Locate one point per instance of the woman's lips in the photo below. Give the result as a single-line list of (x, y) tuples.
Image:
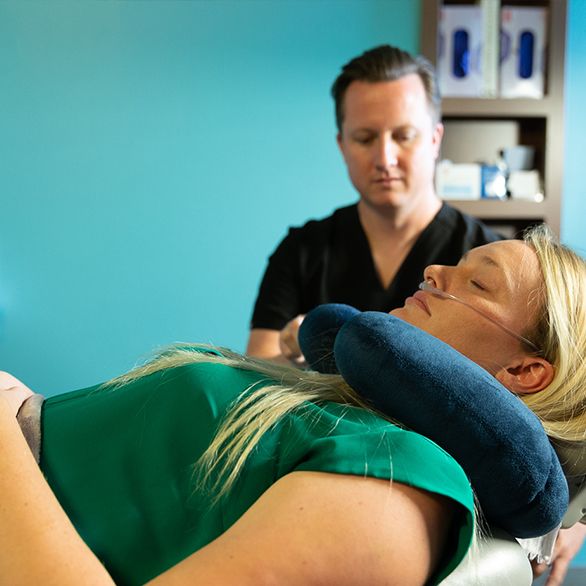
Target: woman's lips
[(418, 299)]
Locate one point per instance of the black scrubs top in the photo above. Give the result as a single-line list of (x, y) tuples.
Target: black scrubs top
[(329, 261)]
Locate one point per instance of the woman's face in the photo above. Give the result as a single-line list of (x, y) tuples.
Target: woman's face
[(501, 279)]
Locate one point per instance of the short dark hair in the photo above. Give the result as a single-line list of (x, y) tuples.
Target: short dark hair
[(386, 63)]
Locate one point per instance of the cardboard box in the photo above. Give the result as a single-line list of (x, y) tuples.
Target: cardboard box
[(460, 51), (523, 48)]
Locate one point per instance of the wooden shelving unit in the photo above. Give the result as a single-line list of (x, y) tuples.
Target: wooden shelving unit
[(541, 121)]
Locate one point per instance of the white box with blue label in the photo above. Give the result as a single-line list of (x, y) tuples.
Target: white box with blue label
[(523, 49), (460, 51), (458, 181), (469, 181)]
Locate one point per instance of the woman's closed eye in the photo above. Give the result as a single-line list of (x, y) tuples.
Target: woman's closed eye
[(477, 285)]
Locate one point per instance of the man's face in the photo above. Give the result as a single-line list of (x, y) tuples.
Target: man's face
[(389, 141)]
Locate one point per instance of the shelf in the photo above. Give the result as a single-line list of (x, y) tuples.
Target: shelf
[(496, 108), (540, 122), (502, 210)]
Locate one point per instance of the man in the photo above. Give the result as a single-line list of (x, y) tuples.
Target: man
[(370, 255)]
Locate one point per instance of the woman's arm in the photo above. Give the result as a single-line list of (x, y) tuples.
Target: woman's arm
[(319, 528), (15, 391), (38, 543)]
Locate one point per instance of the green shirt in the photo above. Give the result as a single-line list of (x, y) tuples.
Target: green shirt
[(121, 462)]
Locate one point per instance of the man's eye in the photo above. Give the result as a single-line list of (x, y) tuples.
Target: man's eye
[(477, 285), (364, 139), (406, 136)]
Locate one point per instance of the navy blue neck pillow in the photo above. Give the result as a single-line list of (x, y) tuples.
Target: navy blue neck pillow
[(434, 390)]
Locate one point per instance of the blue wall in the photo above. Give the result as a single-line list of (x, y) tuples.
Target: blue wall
[(574, 196), (153, 153), (151, 156)]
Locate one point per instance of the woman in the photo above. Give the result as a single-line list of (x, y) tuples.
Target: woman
[(327, 522)]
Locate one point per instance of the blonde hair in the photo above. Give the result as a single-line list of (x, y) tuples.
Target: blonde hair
[(257, 410), (560, 332)]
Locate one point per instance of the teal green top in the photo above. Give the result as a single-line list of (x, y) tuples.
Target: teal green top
[(121, 463)]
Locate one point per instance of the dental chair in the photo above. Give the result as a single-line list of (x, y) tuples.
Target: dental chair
[(500, 560), (526, 486)]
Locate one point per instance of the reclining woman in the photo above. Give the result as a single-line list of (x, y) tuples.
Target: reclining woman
[(291, 484)]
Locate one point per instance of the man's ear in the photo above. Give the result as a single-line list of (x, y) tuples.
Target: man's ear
[(438, 133), (529, 374), (339, 141)]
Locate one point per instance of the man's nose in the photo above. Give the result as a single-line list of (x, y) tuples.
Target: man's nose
[(387, 154)]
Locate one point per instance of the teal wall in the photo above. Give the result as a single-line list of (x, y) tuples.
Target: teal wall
[(574, 195), (152, 154)]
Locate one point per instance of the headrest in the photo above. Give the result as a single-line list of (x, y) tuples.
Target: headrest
[(434, 390)]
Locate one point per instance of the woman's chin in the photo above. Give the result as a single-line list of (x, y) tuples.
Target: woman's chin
[(407, 314)]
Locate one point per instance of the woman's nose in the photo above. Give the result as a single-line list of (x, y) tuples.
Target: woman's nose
[(435, 275)]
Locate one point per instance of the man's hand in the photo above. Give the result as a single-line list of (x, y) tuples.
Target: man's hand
[(568, 544), (288, 342), (281, 346), (14, 392)]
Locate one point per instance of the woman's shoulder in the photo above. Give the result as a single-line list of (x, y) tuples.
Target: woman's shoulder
[(341, 439), (314, 528)]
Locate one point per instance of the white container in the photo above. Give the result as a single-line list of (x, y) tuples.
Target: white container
[(460, 51), (458, 181), (523, 33), (525, 185)]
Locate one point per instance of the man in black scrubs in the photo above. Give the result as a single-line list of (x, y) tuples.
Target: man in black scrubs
[(372, 254)]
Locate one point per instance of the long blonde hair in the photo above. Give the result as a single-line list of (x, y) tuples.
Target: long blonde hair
[(560, 332), (284, 389)]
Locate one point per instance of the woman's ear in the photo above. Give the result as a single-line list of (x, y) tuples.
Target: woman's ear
[(529, 374)]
